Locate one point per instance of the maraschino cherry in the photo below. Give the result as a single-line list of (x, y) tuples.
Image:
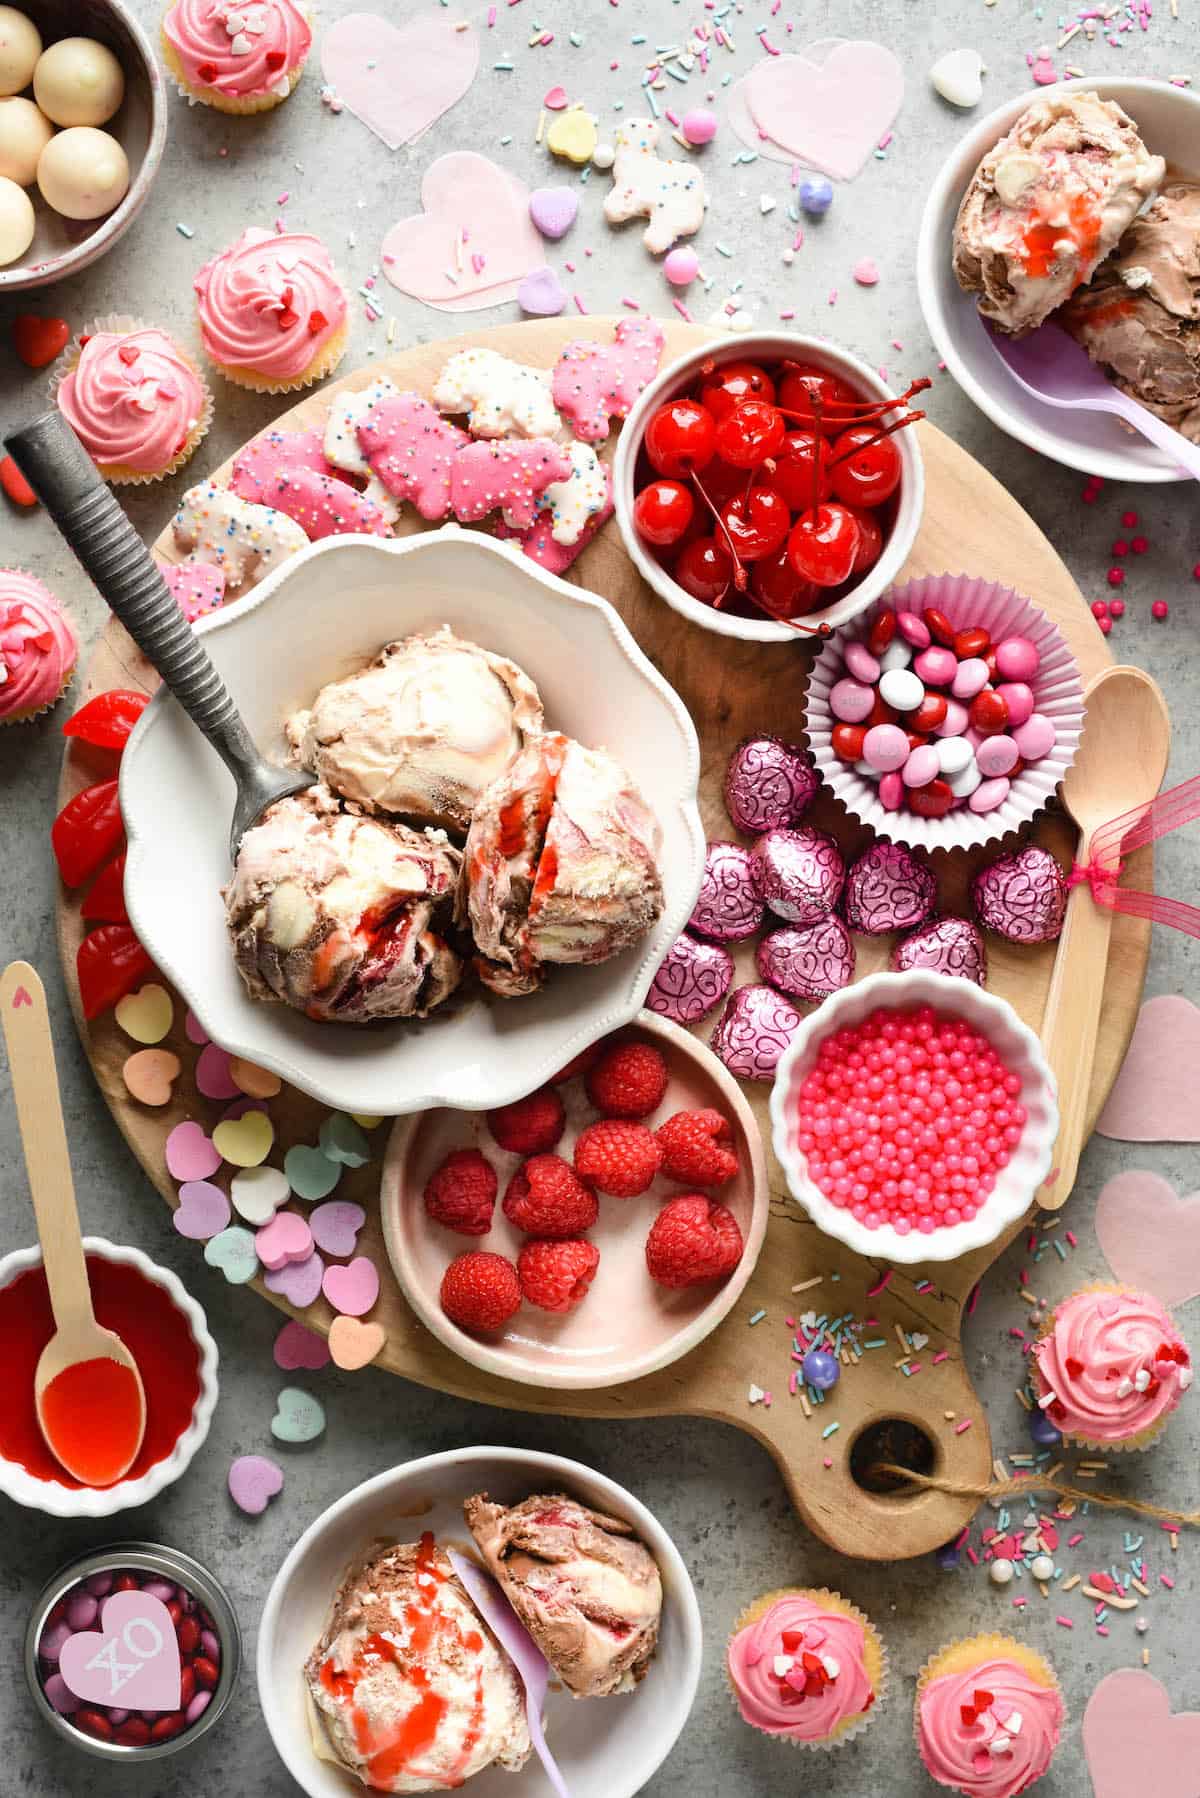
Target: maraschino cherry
[(663, 511), (681, 437)]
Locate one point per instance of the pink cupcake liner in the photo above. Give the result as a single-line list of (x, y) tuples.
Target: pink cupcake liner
[(966, 600)]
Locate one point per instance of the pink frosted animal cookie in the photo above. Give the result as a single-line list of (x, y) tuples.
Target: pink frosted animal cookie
[(320, 504), (197, 587), (412, 449), (594, 382), (272, 450), (511, 474)]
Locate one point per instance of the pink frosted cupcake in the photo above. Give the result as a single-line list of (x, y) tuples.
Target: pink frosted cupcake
[(272, 311), (1110, 1367), (133, 399), (988, 1717), (236, 57), (806, 1666), (38, 647)]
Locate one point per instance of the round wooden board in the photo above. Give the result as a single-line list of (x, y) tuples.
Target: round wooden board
[(732, 689)]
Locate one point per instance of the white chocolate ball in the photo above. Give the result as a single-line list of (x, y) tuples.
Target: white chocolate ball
[(16, 221), (20, 47), (78, 82), (1042, 1567), (1001, 1571), (24, 134), (83, 173)]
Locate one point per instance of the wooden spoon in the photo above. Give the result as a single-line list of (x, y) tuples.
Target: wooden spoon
[(1121, 763), (78, 1338)]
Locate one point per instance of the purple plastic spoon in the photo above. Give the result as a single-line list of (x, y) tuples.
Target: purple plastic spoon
[(1052, 367), (524, 1652)]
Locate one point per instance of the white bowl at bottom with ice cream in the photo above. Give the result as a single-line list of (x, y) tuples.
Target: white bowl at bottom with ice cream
[(413, 1692)]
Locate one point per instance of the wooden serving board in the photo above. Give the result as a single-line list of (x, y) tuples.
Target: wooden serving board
[(733, 689)]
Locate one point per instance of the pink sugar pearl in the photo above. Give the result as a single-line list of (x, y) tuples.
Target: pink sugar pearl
[(906, 1119)]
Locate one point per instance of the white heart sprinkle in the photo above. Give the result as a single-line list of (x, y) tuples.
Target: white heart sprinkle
[(957, 77), (919, 1340), (240, 45)]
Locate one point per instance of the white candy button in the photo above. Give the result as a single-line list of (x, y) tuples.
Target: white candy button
[(899, 687), (954, 754), (898, 654), (964, 784)]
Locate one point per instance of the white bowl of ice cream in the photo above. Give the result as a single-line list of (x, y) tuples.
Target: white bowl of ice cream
[(1168, 119), (607, 1746), (322, 617)]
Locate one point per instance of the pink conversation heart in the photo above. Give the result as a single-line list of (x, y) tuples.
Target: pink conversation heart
[(471, 243), (1154, 1097), (553, 210), (190, 1154), (203, 1211), (1149, 1236), (212, 1073), (253, 1483), (595, 381), (829, 115), (412, 448), (297, 1346), (353, 1289), (335, 1226), (1135, 1743), (399, 79), (196, 1033), (286, 1240), (298, 1282), (132, 1660), (541, 294), (509, 473)]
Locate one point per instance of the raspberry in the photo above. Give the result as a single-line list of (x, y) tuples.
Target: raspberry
[(529, 1126), (480, 1291), (628, 1081), (546, 1197), (619, 1158), (555, 1276), (461, 1193), (692, 1239), (695, 1148), (579, 1064)]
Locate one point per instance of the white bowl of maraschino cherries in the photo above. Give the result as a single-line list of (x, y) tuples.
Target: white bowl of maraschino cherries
[(767, 488)]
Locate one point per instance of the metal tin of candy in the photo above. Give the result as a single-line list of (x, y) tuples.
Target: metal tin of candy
[(755, 1028), (808, 961), (174, 1567), (887, 889), (947, 945), (692, 978), (730, 905), (1022, 896), (799, 872), (769, 783)]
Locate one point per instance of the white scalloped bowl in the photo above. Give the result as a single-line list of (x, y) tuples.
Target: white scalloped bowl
[(320, 616), (1013, 1192), (90, 1501)]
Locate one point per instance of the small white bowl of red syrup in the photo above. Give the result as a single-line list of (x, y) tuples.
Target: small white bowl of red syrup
[(165, 1331), (969, 1104), (781, 436)]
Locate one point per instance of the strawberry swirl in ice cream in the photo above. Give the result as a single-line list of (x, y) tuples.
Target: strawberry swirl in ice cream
[(269, 304), (239, 50), (132, 399), (990, 1730), (1111, 1366), (37, 647), (799, 1669)]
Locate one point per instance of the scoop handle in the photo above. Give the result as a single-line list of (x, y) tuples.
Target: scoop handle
[(65, 479)]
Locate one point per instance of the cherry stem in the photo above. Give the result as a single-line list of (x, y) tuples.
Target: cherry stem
[(740, 578), (818, 447), (897, 424)]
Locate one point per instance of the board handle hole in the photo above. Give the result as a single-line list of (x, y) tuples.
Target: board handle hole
[(897, 1441)]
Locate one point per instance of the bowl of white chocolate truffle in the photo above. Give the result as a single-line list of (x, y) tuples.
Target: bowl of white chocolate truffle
[(83, 121)]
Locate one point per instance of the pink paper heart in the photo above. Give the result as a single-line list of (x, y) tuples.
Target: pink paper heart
[(464, 193), (399, 79), (190, 1154), (1134, 1743), (202, 1212), (286, 1240), (829, 115), (352, 1290), (298, 1346), (132, 1660), (298, 1282), (1149, 1236), (335, 1226), (212, 1073), (253, 1483), (1154, 1097)]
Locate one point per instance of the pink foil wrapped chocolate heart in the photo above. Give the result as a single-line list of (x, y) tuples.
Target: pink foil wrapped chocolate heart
[(755, 1028), (730, 906), (809, 961), (692, 977), (799, 872), (768, 784), (887, 888), (947, 945), (1022, 897)]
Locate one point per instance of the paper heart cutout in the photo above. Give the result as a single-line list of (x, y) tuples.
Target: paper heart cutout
[(38, 341), (253, 1483), (233, 1251), (202, 1212), (829, 115), (299, 1282), (573, 135), (298, 1346), (1154, 1096), (213, 1077), (399, 79), (352, 1290), (132, 1659), (554, 210), (285, 1240), (245, 1141), (1149, 1236), (958, 77), (342, 1140), (190, 1155), (335, 1226), (353, 1344), (299, 1417), (146, 1015), (464, 193), (258, 1192), (541, 294), (1134, 1742), (149, 1075), (311, 1175), (255, 1082)]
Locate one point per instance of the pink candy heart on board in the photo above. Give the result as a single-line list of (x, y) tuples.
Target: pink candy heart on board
[(212, 1073), (353, 1289), (1154, 1096), (253, 1483), (132, 1660), (829, 115), (399, 79), (541, 294), (285, 1240), (190, 1154), (298, 1282), (475, 224), (1134, 1742), (297, 1346), (1149, 1236), (335, 1226), (203, 1211)]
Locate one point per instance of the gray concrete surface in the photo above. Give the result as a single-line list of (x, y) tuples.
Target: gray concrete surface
[(717, 1492)]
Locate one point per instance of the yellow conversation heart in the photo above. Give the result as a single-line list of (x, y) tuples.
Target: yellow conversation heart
[(244, 1141), (146, 1015), (573, 135)]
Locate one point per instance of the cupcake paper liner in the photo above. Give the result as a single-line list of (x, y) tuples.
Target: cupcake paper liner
[(31, 712), (239, 105), (834, 1602), (1058, 691), (1144, 1439), (322, 365), (119, 474), (972, 1650)]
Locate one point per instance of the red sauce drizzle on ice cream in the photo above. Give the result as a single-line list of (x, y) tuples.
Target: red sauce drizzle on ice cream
[(1082, 227)]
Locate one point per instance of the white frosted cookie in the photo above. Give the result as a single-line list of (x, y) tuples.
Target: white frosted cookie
[(669, 195), (574, 502), (346, 413), (244, 540), (500, 397)]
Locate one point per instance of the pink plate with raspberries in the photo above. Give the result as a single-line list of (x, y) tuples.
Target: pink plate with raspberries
[(627, 1323)]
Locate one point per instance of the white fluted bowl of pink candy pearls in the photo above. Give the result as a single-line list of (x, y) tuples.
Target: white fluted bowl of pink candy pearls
[(947, 716), (914, 1116)]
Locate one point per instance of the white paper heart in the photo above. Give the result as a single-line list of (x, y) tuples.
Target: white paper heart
[(132, 1660), (472, 208), (399, 79), (828, 114)]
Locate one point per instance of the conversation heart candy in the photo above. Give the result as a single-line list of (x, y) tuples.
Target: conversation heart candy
[(572, 135), (233, 1251), (244, 1141), (335, 1226), (353, 1344), (553, 210), (212, 1073), (297, 1346), (255, 1082), (285, 1240), (299, 1417), (541, 294), (253, 1483), (352, 1290), (190, 1155), (146, 1015), (311, 1174), (258, 1192), (298, 1282), (150, 1074), (202, 1212), (341, 1139)]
